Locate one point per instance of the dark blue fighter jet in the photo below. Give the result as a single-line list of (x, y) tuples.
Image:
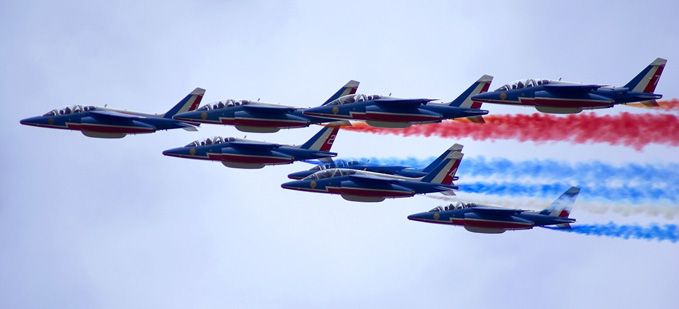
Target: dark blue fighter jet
[(241, 153), (558, 97), (109, 123), (363, 186), (389, 112), (399, 170), (251, 116), (488, 219)]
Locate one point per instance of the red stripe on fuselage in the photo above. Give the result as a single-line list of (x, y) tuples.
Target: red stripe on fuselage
[(398, 117), (108, 128), (483, 223), (369, 192), (565, 103), (248, 158)]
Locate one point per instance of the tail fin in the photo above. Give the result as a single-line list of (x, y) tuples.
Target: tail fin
[(435, 163), (445, 172), (479, 86), (187, 104), (648, 78), (323, 140), (562, 206), (349, 88)]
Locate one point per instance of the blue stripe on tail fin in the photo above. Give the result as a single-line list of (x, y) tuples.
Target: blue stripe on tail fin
[(187, 104), (648, 78), (349, 88)]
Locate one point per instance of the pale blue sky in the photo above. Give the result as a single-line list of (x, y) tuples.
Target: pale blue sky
[(91, 223)]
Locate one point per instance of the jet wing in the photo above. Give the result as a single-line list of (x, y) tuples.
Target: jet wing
[(387, 102), (268, 108), (372, 179), (484, 210), (253, 145), (112, 115), (570, 88)]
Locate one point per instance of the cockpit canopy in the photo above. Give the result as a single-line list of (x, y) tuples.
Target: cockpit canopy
[(352, 98), (333, 172), (524, 84), (223, 104), (452, 206), (336, 164), (69, 110), (211, 141)]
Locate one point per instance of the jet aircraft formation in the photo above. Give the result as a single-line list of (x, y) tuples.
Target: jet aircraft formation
[(357, 181)]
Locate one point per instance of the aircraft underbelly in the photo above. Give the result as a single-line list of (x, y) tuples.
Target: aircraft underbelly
[(474, 221), (249, 121), (566, 103), (388, 124), (359, 198), (370, 192), (233, 158), (109, 129)]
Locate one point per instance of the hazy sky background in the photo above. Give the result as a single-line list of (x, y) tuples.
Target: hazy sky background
[(94, 223)]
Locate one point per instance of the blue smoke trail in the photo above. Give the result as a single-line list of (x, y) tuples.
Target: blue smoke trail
[(592, 171), (626, 231), (631, 194)]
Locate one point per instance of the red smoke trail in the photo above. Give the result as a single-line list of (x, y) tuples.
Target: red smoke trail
[(632, 130)]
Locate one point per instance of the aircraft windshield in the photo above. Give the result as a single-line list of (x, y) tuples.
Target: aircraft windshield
[(524, 84), (223, 104), (453, 206), (328, 173), (211, 141), (69, 110), (352, 98)]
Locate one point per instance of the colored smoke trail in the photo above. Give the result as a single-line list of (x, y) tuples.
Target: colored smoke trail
[(626, 231), (592, 171), (632, 130), (633, 194)]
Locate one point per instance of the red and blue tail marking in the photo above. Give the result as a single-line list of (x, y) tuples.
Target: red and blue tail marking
[(647, 79), (187, 104)]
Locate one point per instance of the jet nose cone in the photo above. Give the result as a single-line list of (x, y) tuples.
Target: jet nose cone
[(294, 185), (298, 175), (416, 217), (175, 152), (33, 121)]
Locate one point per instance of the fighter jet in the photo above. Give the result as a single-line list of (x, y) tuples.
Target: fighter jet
[(251, 116), (363, 186), (494, 220), (109, 123), (399, 170), (389, 112), (558, 97), (241, 153)]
